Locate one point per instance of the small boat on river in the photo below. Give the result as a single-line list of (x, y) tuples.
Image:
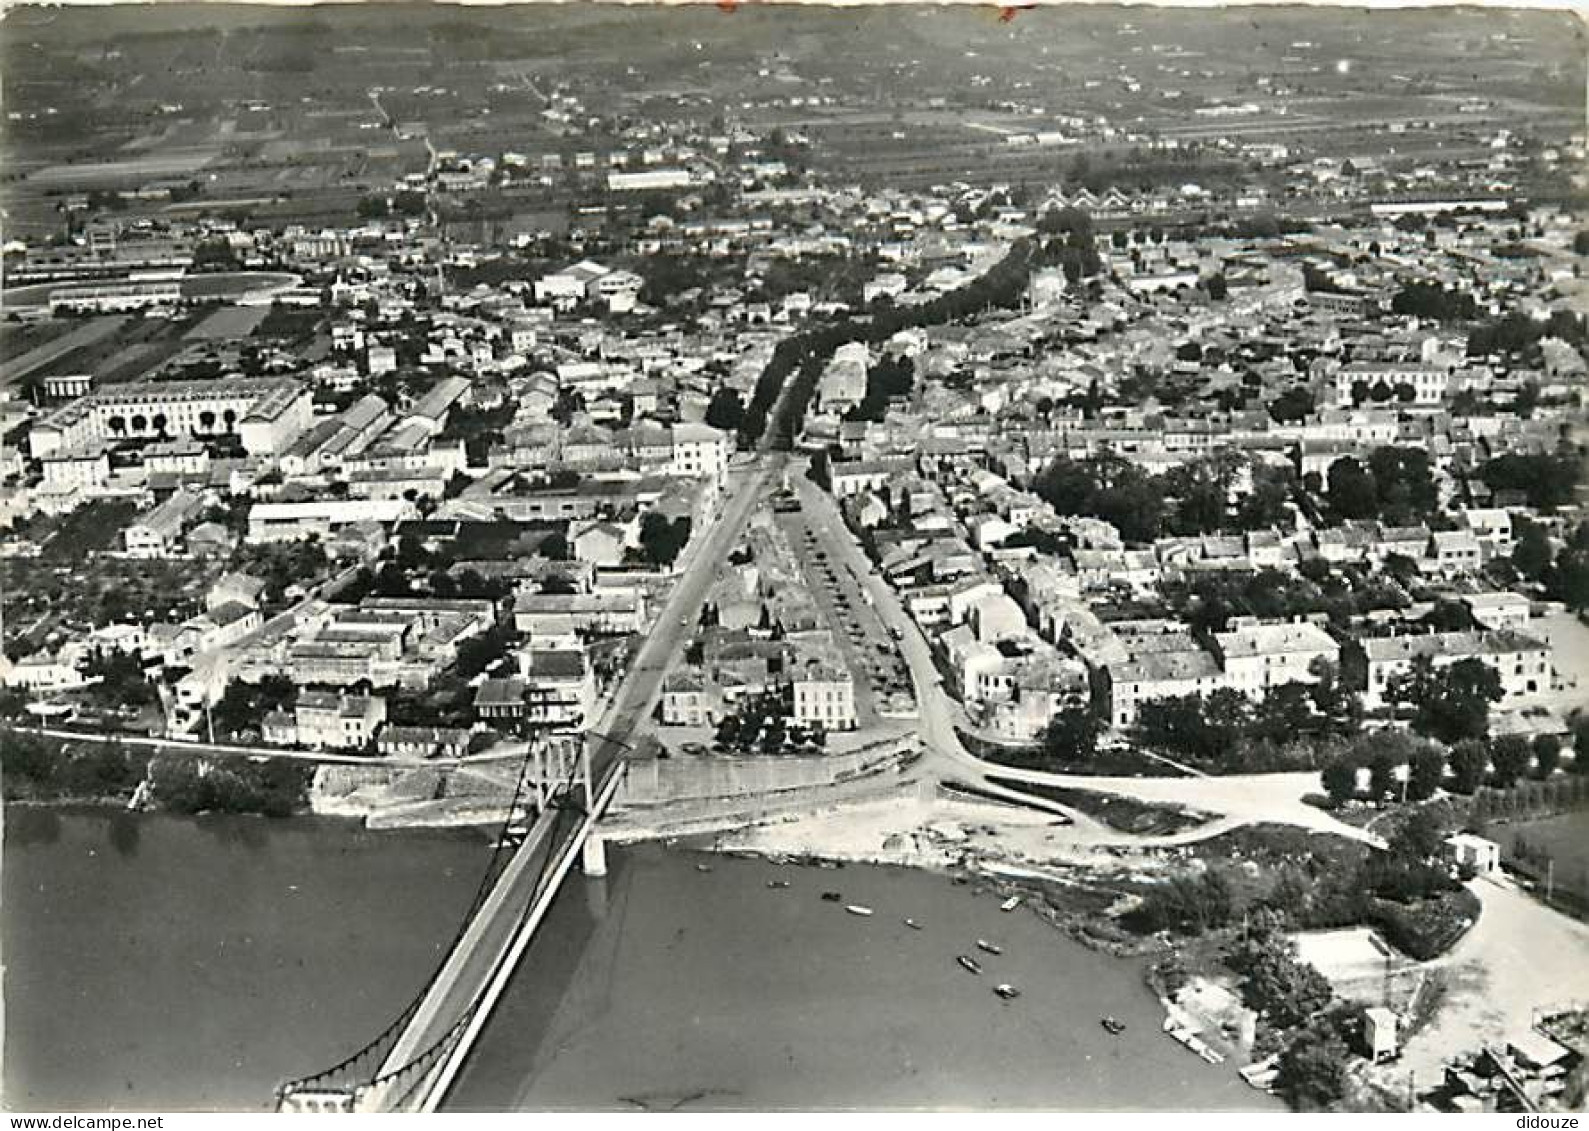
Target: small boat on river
[(989, 948), (857, 909), (777, 883), (912, 924), (832, 896), (1114, 1027), (969, 963), (1006, 991), (1010, 904)]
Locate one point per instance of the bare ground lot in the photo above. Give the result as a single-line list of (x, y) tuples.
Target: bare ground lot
[(61, 347), (229, 322)]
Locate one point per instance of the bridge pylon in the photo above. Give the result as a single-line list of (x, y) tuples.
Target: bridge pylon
[(593, 855)]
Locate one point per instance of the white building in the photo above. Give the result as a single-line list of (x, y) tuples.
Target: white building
[(1522, 662), (264, 413), (1264, 656), (823, 695), (158, 534), (288, 522), (1427, 382), (700, 452)]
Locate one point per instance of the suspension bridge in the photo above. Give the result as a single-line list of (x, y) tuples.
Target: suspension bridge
[(560, 793), (562, 786)]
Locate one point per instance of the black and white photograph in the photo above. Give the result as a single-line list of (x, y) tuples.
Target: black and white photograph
[(753, 557)]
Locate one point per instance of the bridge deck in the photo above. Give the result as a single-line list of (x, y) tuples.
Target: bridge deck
[(494, 937)]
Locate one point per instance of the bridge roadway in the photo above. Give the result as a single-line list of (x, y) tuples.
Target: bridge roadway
[(520, 895)]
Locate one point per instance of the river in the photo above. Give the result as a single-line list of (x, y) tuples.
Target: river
[(160, 962), (664, 987), (155, 961)]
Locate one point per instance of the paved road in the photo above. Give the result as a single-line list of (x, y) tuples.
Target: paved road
[(489, 939), (1235, 799), (1519, 956)]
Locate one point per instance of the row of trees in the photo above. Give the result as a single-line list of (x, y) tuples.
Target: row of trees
[(406, 202), (1414, 769), (1066, 241), (1190, 499), (37, 768), (1228, 732), (662, 538)]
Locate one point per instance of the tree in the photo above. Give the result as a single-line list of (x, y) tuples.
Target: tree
[(1449, 616), (1340, 780), (1350, 490), (1510, 755), (1403, 483), (1580, 745), (479, 652), (1280, 987), (1296, 403), (1425, 773), (1470, 760), (1381, 776), (1547, 754), (1417, 839), (555, 547), (1196, 904), (1449, 703), (1071, 735), (661, 539), (1201, 491), (1532, 553), (1311, 1072), (725, 411)]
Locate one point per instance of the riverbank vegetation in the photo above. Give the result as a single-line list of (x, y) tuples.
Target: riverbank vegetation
[(48, 771), (1256, 886), (276, 787), (1319, 882)]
